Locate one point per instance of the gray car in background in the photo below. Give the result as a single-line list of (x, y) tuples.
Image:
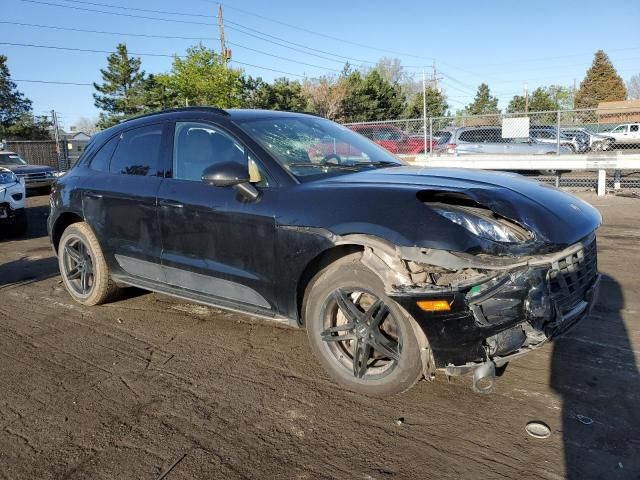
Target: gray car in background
[(596, 141), (488, 140)]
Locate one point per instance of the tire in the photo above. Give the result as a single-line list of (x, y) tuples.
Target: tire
[(379, 375), (79, 252)]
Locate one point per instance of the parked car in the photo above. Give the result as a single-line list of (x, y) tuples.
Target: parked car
[(12, 196), (393, 139), (626, 134), (396, 272), (488, 140), (548, 134), (35, 176), (595, 141)]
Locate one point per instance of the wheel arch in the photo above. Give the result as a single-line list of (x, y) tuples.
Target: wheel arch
[(62, 222)]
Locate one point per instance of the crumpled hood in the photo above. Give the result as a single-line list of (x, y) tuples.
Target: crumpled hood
[(554, 216)]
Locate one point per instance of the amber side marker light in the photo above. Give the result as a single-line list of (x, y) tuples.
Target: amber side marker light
[(434, 305)]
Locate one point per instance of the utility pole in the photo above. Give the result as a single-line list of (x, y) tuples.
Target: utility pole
[(56, 136), (526, 98), (224, 51)]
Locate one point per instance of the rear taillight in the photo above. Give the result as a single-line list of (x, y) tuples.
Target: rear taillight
[(451, 148)]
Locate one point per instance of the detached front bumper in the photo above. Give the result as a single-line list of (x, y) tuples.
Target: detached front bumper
[(519, 309)]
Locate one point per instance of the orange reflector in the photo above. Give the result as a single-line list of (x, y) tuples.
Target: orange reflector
[(434, 305)]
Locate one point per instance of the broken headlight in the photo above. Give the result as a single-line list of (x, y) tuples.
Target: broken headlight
[(484, 223)]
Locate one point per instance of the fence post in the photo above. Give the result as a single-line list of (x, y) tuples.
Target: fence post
[(602, 182), (558, 132), (424, 114), (616, 180), (430, 135)]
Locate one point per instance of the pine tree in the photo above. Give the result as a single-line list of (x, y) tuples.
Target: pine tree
[(601, 84), (483, 103), (13, 103), (122, 91)]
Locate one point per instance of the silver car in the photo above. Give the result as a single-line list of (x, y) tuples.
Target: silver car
[(549, 134), (488, 140)]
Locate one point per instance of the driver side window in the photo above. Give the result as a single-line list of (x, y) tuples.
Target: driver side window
[(197, 146)]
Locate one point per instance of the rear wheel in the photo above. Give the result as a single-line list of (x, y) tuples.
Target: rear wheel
[(363, 339), (83, 268)]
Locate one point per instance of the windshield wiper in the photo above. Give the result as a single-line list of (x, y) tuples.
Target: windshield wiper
[(381, 163), (324, 165)]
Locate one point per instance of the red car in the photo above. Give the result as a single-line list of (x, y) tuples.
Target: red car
[(393, 139)]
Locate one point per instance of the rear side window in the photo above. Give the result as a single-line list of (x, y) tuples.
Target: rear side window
[(101, 159), (633, 128), (469, 136), (138, 151)]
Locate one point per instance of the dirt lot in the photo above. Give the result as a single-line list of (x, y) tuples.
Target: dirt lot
[(126, 390)]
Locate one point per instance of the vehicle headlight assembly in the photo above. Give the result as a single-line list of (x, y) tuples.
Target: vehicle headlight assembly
[(485, 224), (7, 176)]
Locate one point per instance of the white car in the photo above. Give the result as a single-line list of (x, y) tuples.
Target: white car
[(13, 218), (625, 134)]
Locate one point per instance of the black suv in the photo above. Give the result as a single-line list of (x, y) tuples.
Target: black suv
[(396, 272)]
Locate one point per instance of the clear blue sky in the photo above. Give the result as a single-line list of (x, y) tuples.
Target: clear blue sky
[(503, 43)]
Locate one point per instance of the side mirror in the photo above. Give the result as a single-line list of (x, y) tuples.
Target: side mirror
[(231, 174)]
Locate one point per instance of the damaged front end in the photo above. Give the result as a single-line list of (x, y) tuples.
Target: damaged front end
[(484, 310)]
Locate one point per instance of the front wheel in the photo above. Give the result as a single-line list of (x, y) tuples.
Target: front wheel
[(363, 339)]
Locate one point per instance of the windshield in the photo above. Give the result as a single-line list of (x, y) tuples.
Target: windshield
[(310, 146), (11, 159)]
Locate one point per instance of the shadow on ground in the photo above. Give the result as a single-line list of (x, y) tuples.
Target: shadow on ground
[(594, 371)]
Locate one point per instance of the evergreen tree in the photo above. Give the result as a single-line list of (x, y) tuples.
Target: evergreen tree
[(120, 94), (483, 103), (372, 98), (16, 116), (13, 103), (601, 84), (540, 100), (436, 104)]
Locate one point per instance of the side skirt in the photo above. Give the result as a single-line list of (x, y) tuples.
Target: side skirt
[(201, 299)]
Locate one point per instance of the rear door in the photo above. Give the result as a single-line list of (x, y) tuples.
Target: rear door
[(217, 245), (634, 133), (119, 201)]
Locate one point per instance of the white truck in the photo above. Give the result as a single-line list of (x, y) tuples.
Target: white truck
[(13, 218), (626, 134)]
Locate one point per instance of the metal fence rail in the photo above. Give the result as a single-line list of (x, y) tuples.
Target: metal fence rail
[(603, 173)]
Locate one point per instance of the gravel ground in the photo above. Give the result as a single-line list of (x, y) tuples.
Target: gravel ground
[(149, 387)]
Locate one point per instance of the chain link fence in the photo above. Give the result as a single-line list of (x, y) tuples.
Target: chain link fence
[(565, 132), (559, 132)]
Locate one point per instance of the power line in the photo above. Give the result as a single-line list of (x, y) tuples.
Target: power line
[(54, 82), (237, 27), (172, 37), (128, 34), (86, 50), (200, 15), (302, 29)]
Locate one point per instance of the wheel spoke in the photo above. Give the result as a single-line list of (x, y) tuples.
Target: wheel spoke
[(373, 312), (361, 354), (84, 280), (72, 254), (73, 274), (339, 338), (383, 345), (379, 316), (347, 306)]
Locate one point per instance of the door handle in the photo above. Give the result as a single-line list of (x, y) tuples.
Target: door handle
[(93, 195), (171, 203)]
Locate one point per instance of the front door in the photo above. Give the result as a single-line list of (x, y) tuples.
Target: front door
[(216, 244)]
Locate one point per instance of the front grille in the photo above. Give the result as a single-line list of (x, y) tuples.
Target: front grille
[(571, 277), (34, 176)]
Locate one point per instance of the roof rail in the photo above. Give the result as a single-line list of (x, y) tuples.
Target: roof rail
[(217, 110)]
